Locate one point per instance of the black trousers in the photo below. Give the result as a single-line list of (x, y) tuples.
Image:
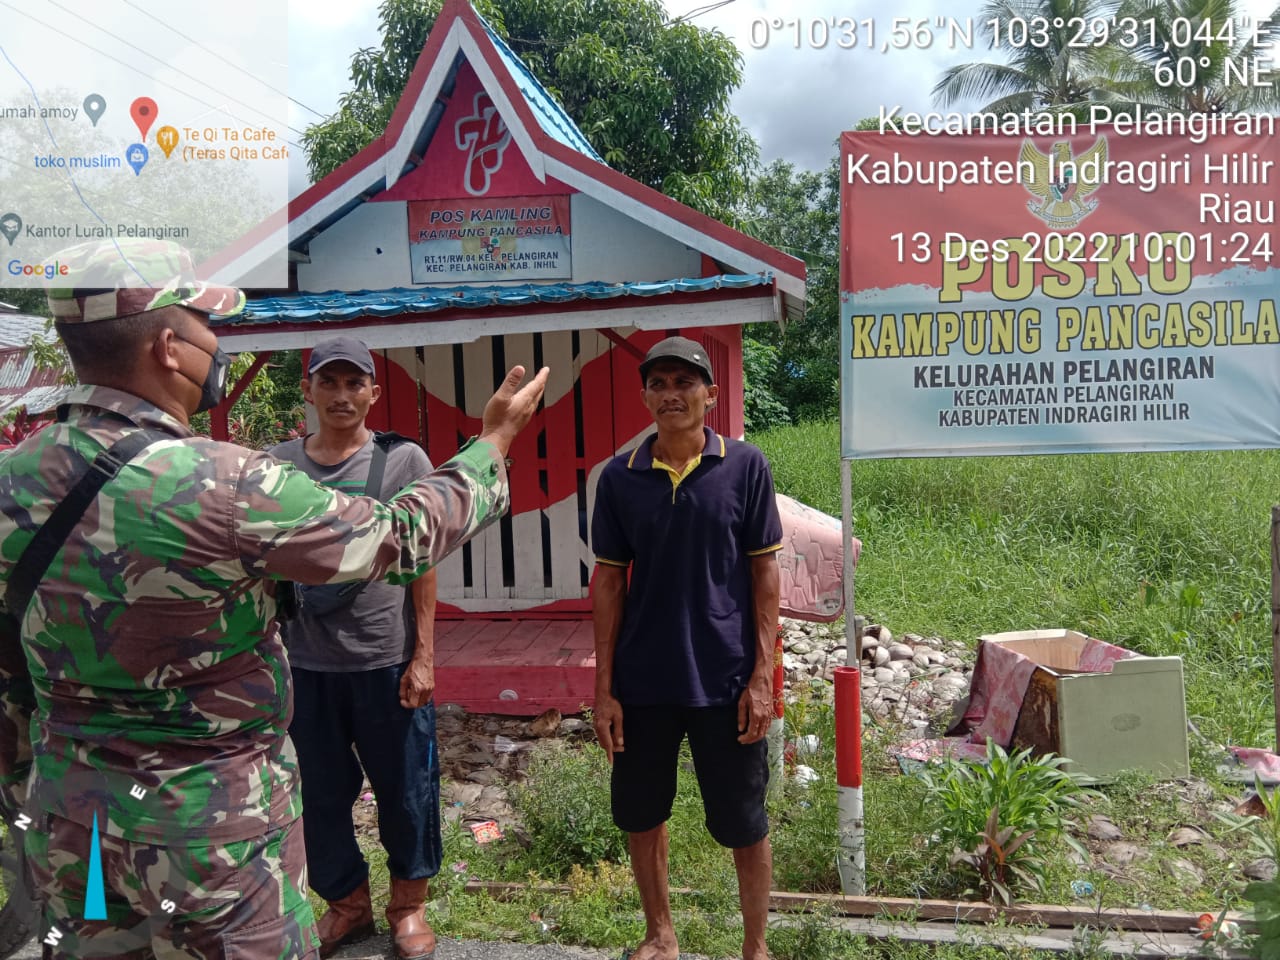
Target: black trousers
[(341, 722)]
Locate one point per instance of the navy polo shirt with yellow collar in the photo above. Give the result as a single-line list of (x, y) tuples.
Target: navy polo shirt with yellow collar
[(688, 625)]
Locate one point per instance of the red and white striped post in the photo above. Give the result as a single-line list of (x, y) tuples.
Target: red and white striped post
[(848, 704), (851, 863)]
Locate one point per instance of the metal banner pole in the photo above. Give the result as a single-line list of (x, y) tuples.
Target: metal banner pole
[(852, 861)]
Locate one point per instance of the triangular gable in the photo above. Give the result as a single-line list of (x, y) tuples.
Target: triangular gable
[(460, 44), (473, 153)]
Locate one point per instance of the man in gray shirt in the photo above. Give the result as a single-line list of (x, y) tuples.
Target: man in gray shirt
[(363, 674)]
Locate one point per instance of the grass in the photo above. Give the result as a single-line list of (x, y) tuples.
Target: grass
[(1161, 553)]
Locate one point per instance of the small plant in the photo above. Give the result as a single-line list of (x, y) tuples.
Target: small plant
[(1012, 803), (811, 935), (565, 806), (1264, 896), (1001, 858)]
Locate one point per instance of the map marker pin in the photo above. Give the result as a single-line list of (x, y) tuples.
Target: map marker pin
[(136, 157), (167, 138), (10, 226), (95, 107), (143, 110)]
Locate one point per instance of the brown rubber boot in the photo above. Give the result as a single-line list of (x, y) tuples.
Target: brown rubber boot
[(346, 921), (411, 935)]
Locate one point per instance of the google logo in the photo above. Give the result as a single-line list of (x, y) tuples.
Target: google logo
[(47, 270)]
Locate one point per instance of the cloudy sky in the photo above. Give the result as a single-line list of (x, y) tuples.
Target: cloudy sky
[(236, 58), (795, 101)]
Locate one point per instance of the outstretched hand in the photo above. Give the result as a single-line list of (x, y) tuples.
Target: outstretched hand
[(511, 407)]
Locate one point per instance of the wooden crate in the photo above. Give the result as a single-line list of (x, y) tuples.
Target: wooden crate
[(1132, 718)]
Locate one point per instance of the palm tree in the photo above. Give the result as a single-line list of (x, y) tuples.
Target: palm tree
[(1053, 76), (1203, 59)]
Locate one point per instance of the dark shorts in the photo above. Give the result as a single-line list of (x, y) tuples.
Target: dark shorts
[(732, 776)]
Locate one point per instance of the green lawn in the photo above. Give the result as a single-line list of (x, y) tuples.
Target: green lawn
[(1161, 553)]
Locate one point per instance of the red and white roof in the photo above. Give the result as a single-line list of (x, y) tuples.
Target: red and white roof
[(554, 150)]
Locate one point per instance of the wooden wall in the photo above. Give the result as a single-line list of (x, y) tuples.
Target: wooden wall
[(537, 560)]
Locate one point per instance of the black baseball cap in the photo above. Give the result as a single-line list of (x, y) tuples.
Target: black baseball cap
[(678, 348), (340, 348)]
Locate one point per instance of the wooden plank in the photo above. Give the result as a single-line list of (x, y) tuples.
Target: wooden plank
[(523, 639), (561, 650), (562, 480), (1037, 914), (454, 643), (442, 443), (955, 911), (486, 548), (479, 648), (402, 392), (479, 689), (1115, 942), (527, 498), (376, 419), (567, 545), (583, 637), (594, 368)]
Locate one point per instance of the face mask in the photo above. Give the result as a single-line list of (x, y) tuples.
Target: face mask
[(214, 389)]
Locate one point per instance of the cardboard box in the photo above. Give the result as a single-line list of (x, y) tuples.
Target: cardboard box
[(1133, 717)]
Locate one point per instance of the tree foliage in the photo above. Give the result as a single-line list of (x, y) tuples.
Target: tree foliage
[(1138, 71), (1062, 76), (1054, 76), (798, 211), (652, 97)]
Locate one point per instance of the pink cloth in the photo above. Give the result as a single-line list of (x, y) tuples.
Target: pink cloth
[(1098, 656), (925, 750), (1000, 680)]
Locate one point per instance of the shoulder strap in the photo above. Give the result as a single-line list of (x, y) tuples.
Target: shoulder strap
[(377, 464), (44, 546), (382, 442)]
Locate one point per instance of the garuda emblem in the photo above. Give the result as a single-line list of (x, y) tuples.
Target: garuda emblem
[(1061, 183)]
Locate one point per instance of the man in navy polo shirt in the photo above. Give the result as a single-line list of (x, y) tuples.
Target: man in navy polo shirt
[(686, 647)]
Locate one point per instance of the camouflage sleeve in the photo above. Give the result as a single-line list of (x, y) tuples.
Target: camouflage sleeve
[(287, 526)]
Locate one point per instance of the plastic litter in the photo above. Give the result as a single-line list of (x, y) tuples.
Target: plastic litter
[(486, 831), (807, 746), (806, 775), (1081, 888), (503, 744)]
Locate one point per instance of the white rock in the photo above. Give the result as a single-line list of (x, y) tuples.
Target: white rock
[(950, 686), (800, 648), (884, 675), (920, 660), (880, 656), (900, 651)]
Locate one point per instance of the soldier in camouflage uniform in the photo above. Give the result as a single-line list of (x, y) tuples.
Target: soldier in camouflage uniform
[(161, 686)]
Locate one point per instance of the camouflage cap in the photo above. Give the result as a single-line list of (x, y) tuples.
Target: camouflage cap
[(102, 280)]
